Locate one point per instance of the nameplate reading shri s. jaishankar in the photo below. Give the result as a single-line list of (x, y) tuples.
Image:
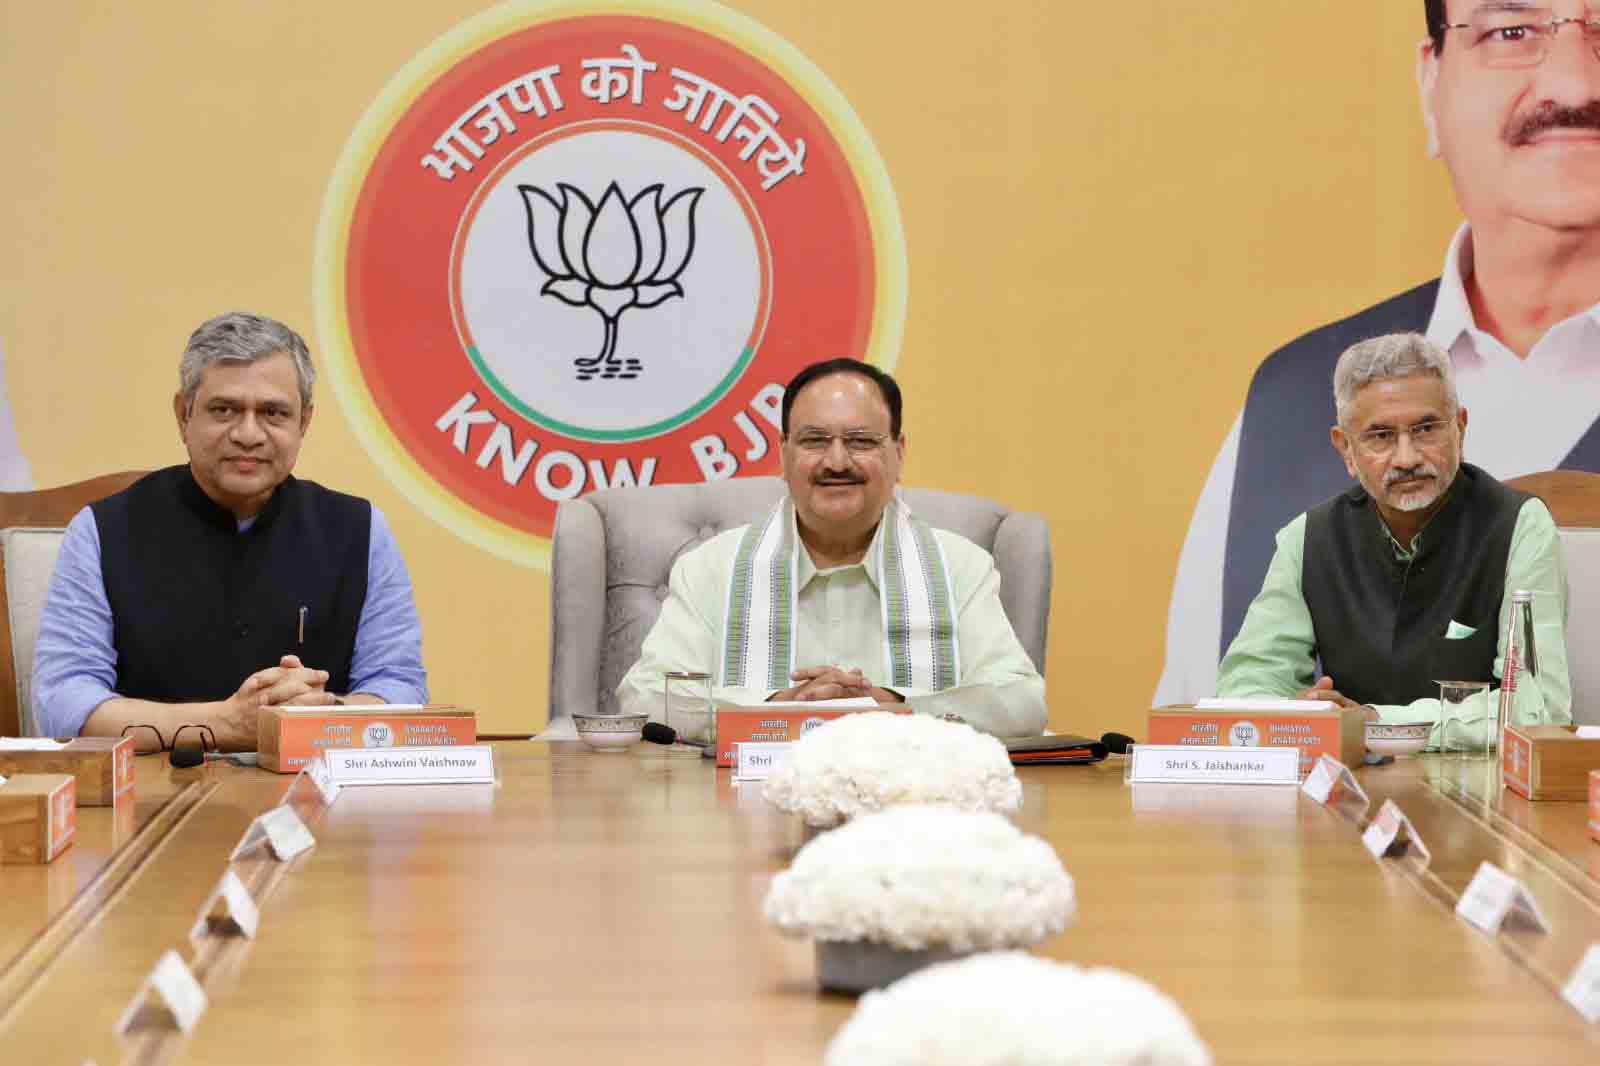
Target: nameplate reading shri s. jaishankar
[(473, 765), (1181, 764)]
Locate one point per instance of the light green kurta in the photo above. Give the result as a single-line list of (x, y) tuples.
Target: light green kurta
[(1275, 652), (839, 622)]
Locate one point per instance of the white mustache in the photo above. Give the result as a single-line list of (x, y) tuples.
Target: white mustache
[(1410, 473)]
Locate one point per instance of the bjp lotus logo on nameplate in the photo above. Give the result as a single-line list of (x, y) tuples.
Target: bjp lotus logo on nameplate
[(1244, 734), (570, 248), (378, 735)]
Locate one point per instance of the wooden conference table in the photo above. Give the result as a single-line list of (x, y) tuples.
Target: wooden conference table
[(607, 909)]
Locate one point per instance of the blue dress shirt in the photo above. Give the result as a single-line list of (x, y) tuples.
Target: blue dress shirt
[(75, 662)]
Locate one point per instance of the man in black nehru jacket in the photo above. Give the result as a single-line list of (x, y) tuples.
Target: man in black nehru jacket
[(205, 592), (1510, 97), (1405, 579)]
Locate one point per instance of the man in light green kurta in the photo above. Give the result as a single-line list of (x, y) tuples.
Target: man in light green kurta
[(793, 608), (1401, 432)]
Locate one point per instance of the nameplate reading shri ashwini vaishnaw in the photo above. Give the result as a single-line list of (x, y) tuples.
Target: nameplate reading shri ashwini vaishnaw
[(1177, 764), (411, 766)]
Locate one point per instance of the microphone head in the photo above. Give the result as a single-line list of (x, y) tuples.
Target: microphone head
[(1117, 743), (188, 755), (656, 733)]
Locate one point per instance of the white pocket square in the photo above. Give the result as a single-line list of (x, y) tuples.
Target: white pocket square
[(1457, 631)]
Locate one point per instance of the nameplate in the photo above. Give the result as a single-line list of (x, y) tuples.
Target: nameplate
[(1495, 897), (1391, 835), (1582, 990), (281, 830), (780, 723), (411, 766), (289, 738), (756, 761), (229, 909), (1314, 727), (1175, 764), (175, 991), (1331, 784)]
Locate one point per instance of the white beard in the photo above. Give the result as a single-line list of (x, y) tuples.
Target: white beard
[(1415, 501)]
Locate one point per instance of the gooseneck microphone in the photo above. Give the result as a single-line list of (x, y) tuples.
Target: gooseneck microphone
[(656, 733)]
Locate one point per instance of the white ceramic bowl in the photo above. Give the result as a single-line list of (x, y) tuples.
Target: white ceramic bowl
[(609, 732), (1398, 738)]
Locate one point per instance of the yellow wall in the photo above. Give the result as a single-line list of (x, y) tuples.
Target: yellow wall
[(1110, 219)]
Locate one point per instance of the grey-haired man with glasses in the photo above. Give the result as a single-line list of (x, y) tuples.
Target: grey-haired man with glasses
[(207, 591), (840, 591), (1510, 96), (1404, 580)]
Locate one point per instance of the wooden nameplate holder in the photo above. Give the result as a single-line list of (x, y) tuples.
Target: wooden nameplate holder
[(103, 767), (38, 817), (290, 737)]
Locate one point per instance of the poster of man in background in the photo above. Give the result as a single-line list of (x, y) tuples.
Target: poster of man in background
[(1511, 102)]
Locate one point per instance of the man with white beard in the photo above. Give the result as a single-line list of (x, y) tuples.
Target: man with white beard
[(1406, 578), (1510, 96)]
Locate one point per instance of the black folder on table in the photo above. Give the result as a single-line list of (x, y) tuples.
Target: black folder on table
[(1060, 749)]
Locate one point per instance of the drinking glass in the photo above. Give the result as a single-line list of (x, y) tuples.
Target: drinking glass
[(1469, 721), (688, 705)]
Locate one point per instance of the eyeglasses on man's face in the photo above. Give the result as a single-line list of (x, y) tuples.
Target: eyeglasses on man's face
[(1381, 442), (856, 442), (1512, 37)]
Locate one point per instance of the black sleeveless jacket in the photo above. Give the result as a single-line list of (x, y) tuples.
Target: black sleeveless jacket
[(1380, 621), (198, 606)]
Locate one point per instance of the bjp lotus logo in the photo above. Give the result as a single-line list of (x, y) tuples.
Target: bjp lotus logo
[(612, 256)]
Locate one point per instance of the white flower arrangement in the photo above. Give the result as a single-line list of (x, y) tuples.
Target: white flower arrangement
[(915, 878), (869, 761), (1012, 1009)]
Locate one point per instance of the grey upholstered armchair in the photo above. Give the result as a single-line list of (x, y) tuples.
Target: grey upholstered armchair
[(614, 550)]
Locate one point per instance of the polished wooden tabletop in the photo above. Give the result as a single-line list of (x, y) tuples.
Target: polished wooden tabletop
[(607, 908)]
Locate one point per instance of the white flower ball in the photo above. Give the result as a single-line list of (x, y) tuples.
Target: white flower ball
[(869, 761), (925, 877), (1011, 1009)]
